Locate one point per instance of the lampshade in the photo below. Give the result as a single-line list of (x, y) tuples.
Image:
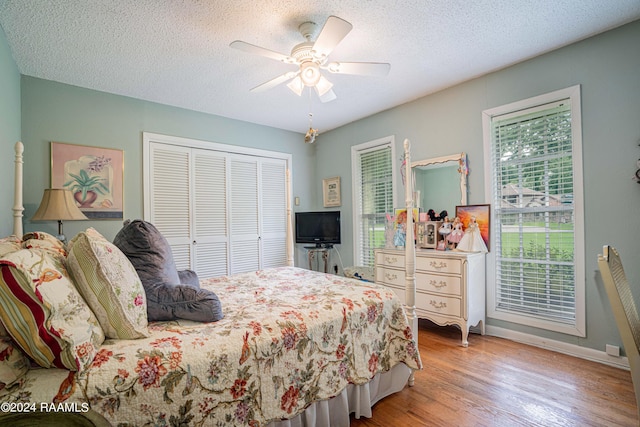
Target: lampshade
[(323, 86), (296, 85), (58, 205)]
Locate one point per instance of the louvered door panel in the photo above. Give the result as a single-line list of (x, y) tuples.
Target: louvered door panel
[(210, 213), (243, 218), (211, 260), (170, 192), (273, 213)]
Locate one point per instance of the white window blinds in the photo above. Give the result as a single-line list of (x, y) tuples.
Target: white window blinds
[(374, 192), (532, 165)]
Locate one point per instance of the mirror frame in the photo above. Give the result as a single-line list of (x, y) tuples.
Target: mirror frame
[(461, 159)]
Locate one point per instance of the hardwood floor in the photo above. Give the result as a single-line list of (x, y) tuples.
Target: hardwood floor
[(496, 382)]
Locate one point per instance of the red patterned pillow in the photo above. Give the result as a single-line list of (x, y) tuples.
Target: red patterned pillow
[(44, 312)]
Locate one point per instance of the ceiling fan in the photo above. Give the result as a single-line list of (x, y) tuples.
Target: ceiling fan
[(311, 57)]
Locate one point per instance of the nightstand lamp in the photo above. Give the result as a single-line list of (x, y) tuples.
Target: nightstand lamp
[(58, 205)]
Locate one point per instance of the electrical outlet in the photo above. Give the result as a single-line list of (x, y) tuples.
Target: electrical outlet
[(612, 350)]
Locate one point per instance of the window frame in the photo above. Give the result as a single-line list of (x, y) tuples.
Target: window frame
[(524, 107), (356, 151)]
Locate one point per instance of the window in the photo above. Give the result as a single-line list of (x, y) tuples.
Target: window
[(534, 156), (373, 177)]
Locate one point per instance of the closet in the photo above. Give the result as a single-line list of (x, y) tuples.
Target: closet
[(222, 208)]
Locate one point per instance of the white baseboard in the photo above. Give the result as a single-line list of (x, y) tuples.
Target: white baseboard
[(559, 346)]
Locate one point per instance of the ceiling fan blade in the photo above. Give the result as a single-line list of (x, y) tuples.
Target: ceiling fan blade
[(257, 50), (334, 30), (328, 96), (274, 82), (360, 68)]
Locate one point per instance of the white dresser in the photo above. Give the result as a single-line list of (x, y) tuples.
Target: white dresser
[(450, 286)]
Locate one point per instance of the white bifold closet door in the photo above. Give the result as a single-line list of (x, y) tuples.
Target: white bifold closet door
[(222, 213)]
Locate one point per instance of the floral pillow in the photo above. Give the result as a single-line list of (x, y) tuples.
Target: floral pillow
[(109, 284), (9, 244), (44, 312), (44, 241), (13, 363)]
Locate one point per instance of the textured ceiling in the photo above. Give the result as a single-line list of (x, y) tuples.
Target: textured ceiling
[(177, 52)]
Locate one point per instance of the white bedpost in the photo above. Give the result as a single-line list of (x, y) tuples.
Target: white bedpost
[(289, 220), (17, 196), (410, 252)]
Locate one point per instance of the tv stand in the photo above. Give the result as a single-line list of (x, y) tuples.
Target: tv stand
[(320, 246), (323, 250)]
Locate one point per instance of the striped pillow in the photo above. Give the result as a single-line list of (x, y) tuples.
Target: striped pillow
[(110, 285), (44, 312)]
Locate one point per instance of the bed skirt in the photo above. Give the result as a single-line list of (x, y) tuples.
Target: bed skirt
[(356, 399)]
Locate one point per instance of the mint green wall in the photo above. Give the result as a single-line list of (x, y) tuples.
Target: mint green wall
[(58, 112), (606, 66), (9, 131), (608, 69)]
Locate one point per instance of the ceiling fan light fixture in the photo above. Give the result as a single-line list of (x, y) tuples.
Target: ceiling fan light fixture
[(323, 86), (311, 58), (310, 73), (296, 85)]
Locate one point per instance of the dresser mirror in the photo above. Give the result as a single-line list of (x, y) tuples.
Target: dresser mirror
[(440, 183)]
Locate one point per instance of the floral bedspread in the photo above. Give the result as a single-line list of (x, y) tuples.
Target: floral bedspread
[(289, 337)]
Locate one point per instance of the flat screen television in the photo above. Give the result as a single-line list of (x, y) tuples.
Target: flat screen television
[(318, 228)]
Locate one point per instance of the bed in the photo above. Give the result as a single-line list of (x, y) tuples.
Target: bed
[(294, 348)]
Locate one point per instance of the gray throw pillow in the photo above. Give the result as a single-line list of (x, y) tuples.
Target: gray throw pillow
[(182, 302), (171, 294), (149, 252), (189, 277)]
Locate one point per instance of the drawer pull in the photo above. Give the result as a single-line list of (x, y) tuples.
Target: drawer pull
[(390, 259), (390, 276), (438, 285), (438, 305), (438, 265)]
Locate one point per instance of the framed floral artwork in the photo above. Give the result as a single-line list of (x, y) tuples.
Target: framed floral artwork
[(93, 174)]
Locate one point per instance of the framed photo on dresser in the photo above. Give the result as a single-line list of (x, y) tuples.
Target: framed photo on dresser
[(482, 214)]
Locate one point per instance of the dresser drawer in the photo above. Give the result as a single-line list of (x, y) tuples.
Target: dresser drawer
[(437, 304), (390, 276), (390, 260), (448, 285), (439, 265)]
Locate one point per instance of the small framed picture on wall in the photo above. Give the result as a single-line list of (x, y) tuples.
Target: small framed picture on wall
[(331, 192)]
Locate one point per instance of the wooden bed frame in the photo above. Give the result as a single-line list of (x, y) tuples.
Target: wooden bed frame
[(410, 256)]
